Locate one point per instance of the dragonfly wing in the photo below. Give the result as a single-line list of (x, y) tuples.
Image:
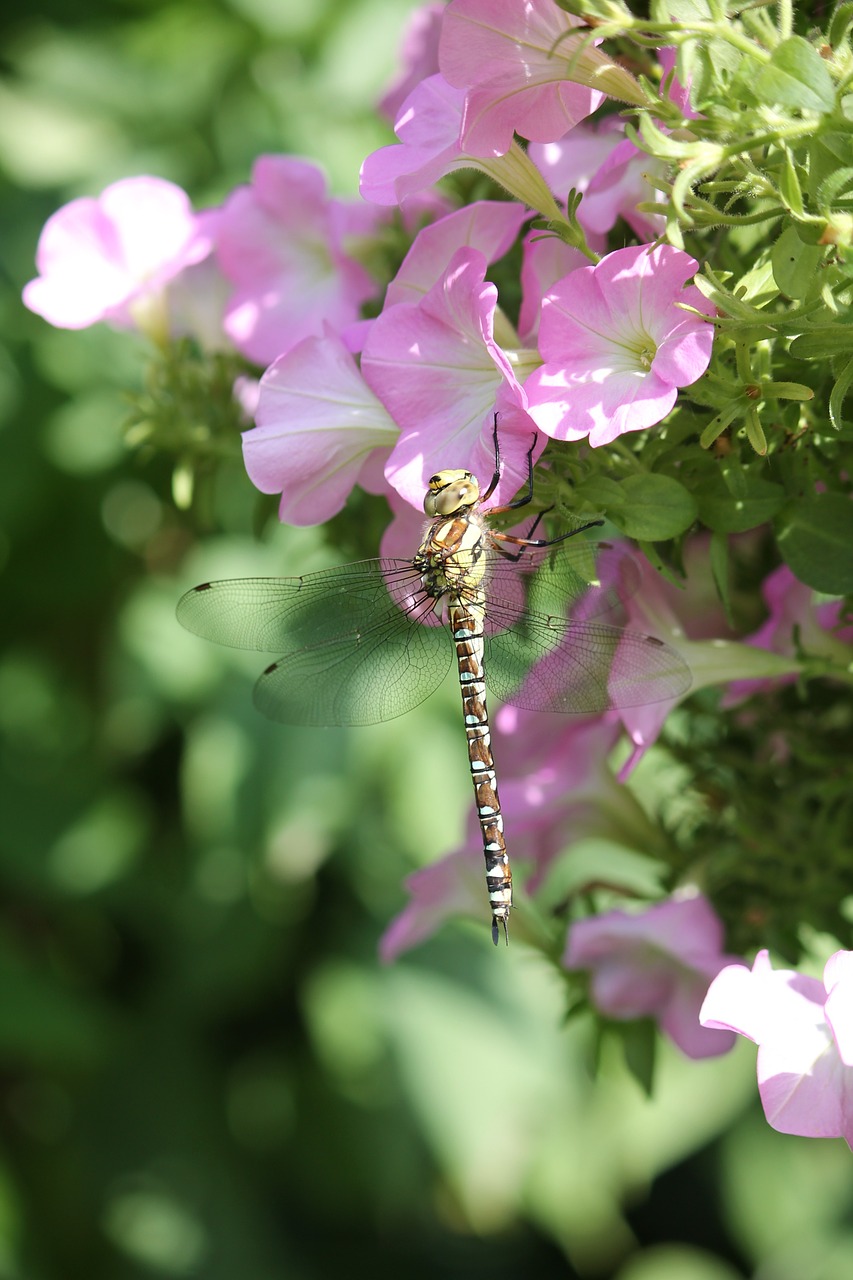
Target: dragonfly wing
[(278, 615), (358, 677), (586, 579), (355, 651), (544, 663)]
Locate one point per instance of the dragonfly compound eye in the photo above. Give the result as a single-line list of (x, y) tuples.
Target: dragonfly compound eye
[(449, 492)]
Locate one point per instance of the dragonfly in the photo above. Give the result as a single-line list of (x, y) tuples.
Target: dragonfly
[(366, 642)]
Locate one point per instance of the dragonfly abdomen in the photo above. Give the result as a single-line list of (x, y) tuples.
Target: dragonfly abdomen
[(466, 620)]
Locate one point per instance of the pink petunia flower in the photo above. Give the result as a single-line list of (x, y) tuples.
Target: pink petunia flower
[(677, 92), (655, 963), (617, 345), (609, 172), (522, 71), (318, 429), (110, 257), (284, 245), (440, 372), (804, 1031), (489, 226), (418, 57)]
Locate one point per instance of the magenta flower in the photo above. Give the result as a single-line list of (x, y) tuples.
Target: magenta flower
[(318, 427), (450, 887), (109, 258), (618, 187), (794, 623), (544, 261), (677, 92), (556, 788), (656, 963), (804, 1031), (428, 127), (617, 344), (652, 608), (284, 245), (521, 71), (439, 371)]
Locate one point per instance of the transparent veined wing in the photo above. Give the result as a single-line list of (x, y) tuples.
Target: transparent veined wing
[(354, 650), (587, 579), (277, 615), (544, 652), (545, 663)]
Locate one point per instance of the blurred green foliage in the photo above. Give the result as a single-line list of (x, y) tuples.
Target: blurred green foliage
[(204, 1071)]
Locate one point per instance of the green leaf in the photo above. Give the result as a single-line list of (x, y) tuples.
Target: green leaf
[(639, 1044), (789, 186), (815, 538), (721, 421), (794, 263), (653, 508), (719, 551), (828, 153), (755, 432), (823, 342), (838, 394), (835, 190), (726, 512), (796, 76), (600, 491), (840, 25)]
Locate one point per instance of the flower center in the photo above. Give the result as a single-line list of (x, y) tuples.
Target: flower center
[(642, 347)]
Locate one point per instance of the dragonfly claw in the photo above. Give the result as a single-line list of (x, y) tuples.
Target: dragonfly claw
[(496, 930)]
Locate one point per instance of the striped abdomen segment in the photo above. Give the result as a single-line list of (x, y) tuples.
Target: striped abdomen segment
[(466, 621)]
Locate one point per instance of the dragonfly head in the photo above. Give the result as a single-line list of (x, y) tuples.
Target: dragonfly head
[(449, 492)]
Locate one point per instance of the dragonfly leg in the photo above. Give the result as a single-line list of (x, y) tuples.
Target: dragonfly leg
[(525, 497), (539, 542)]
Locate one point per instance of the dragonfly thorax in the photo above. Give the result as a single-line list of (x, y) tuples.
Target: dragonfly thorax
[(452, 556), (450, 492)]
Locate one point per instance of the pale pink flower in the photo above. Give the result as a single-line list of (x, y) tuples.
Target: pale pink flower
[(285, 247), (804, 1031), (609, 172), (617, 345), (428, 128), (795, 623), (655, 963), (439, 371), (195, 301), (110, 257), (617, 187), (418, 57), (518, 62), (318, 427)]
